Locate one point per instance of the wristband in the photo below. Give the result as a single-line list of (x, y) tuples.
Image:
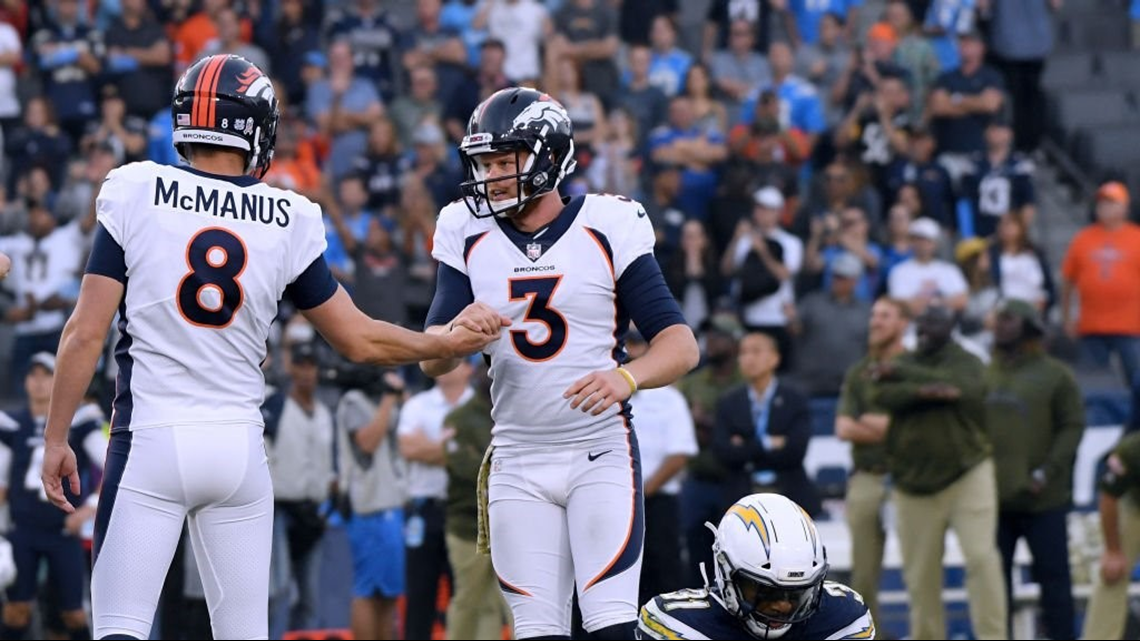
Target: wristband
[(629, 379)]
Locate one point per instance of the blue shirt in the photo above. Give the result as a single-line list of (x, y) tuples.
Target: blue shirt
[(951, 17), (800, 105), (667, 72), (761, 411), (335, 254), (809, 13)]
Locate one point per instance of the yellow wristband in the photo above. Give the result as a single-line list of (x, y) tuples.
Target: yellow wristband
[(629, 379)]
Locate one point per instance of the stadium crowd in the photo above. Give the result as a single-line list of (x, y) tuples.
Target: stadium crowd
[(800, 160)]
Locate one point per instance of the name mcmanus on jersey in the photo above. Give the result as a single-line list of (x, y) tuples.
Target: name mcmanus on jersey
[(223, 204)]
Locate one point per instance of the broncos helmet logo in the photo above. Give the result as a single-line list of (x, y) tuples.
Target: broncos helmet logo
[(753, 520), (541, 111), (255, 84)]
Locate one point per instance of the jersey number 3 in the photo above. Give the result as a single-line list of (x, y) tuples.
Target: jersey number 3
[(209, 294), (539, 291)]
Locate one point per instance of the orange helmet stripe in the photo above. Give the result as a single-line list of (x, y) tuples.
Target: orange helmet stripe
[(204, 89)]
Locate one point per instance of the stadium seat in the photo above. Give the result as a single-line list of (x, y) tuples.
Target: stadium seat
[(1069, 70), (1099, 31), (1120, 69), (831, 481), (1110, 147), (1080, 111)]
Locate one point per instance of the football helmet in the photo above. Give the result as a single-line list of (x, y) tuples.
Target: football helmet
[(769, 564), (516, 119), (225, 100)]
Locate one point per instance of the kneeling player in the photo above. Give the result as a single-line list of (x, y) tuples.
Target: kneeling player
[(770, 568)]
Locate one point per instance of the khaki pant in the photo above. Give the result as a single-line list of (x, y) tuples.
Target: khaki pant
[(1108, 605), (969, 505), (477, 610), (866, 494)]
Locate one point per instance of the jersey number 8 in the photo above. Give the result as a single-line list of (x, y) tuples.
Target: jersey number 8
[(209, 294)]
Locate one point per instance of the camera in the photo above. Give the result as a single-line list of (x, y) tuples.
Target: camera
[(351, 376)]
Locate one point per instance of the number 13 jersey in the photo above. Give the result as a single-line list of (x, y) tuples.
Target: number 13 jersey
[(570, 290), (204, 260)]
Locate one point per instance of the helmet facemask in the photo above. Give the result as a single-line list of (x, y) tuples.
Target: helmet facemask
[(537, 172)]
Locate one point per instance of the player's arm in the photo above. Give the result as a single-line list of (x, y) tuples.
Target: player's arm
[(80, 347)]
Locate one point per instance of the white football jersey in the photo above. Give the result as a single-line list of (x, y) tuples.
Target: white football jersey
[(207, 260), (559, 288)]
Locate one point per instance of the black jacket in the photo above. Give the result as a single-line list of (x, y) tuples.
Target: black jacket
[(790, 417)]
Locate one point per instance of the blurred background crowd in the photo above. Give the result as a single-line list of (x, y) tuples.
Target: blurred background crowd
[(972, 160)]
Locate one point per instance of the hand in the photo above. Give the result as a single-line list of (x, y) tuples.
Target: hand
[(5, 265), (339, 84), (776, 442), (940, 391), (482, 318), (465, 342), (394, 381), (1113, 566), (598, 390), (59, 463)]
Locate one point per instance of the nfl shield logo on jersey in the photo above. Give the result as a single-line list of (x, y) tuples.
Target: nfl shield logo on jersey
[(533, 251)]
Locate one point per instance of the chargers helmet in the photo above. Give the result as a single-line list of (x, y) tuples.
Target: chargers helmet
[(517, 119), (769, 564), (225, 100)]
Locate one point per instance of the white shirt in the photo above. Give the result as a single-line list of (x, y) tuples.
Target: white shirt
[(424, 413), (9, 101), (1022, 278), (769, 311), (43, 268), (911, 278), (664, 427), (300, 453), (519, 26)]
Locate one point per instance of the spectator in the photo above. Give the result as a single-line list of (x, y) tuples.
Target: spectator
[(1036, 418), (1102, 268), (977, 318), (382, 167), (766, 259), (667, 440), (917, 169), (299, 443), (123, 133), (289, 42), (924, 279), (1020, 270), (380, 273), (724, 15), (845, 235), (739, 66), (433, 45), (831, 329), (1105, 617), (75, 199), (962, 102), (38, 143), (586, 32), (840, 185), (661, 207), (644, 101), (427, 166), (374, 39), (1000, 181), (477, 610), (522, 26), (343, 107), (945, 21), (614, 168), (800, 105), (692, 274), (1022, 38), (292, 168), (69, 54), (138, 59), (371, 482), (636, 19), (875, 129), (584, 108), (710, 112), (896, 248), (669, 64), (698, 151), (914, 54), (346, 224), (869, 66), (822, 63), (488, 79), (199, 31), (229, 40), (410, 110), (414, 237), (763, 429), (864, 425), (802, 17), (939, 458), (11, 55), (423, 440), (703, 491)]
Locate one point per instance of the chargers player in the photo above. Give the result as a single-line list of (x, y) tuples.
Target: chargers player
[(771, 569), (194, 260), (565, 504)]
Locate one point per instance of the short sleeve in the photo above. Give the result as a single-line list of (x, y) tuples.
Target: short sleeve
[(308, 242), (636, 237), (449, 243), (111, 205), (410, 418)]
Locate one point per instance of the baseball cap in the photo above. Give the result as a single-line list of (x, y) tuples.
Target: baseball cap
[(1113, 191), (925, 228), (882, 31), (316, 59), (768, 197), (1026, 312), (45, 360), (847, 265), (303, 352), (969, 248)]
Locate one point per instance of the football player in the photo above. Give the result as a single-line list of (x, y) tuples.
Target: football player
[(195, 260), (770, 571), (565, 503)]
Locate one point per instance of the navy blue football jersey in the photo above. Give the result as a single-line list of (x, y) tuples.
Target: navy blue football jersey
[(995, 190), (22, 435), (697, 614)]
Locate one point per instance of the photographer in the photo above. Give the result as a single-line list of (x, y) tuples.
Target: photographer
[(372, 495)]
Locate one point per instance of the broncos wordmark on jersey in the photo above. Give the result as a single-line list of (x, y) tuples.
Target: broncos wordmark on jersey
[(699, 614)]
